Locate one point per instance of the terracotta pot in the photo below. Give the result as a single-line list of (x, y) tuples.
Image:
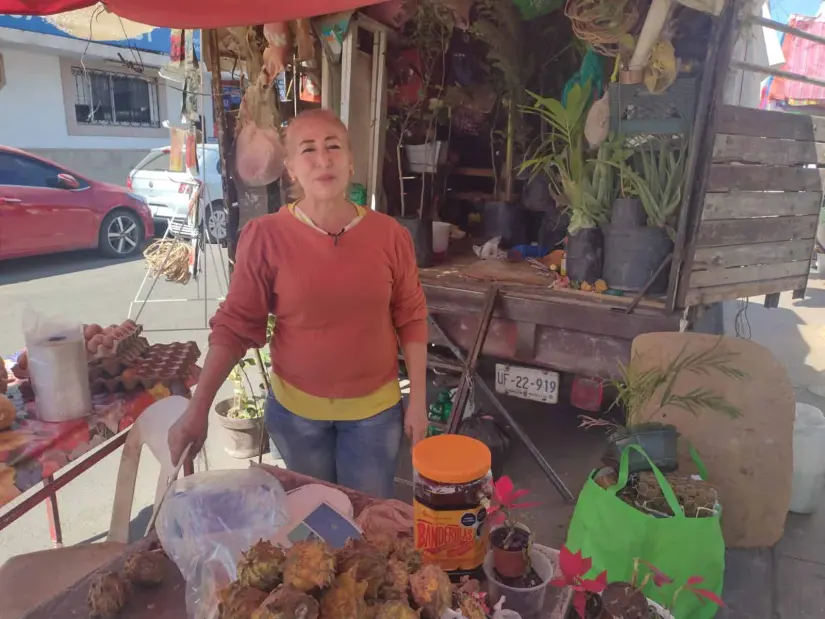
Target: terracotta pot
[(242, 436), (622, 600), (510, 563)]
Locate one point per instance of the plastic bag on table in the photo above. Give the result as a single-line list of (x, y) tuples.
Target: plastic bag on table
[(209, 519)]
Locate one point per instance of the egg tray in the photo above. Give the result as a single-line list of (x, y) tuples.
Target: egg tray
[(110, 367), (165, 363), (128, 381), (125, 335)]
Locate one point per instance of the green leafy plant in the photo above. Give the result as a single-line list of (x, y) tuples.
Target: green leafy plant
[(658, 183), (248, 402), (637, 387)]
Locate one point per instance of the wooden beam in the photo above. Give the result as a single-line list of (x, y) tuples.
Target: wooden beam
[(775, 25), (794, 77), (766, 151), (724, 177), (748, 231), (753, 204), (714, 294), (751, 254), (720, 276), (771, 124)]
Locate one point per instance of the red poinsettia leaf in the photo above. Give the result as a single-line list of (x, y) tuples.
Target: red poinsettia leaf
[(503, 489), (593, 586), (573, 564), (515, 495), (602, 579), (524, 505), (709, 595), (580, 603), (497, 517), (493, 509), (660, 579), (695, 580)]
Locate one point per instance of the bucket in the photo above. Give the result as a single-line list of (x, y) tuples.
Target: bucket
[(441, 238), (585, 254), (425, 158), (526, 602), (422, 235), (808, 459)]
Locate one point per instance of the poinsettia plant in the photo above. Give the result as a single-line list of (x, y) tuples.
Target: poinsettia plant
[(660, 579), (573, 568), (506, 500)]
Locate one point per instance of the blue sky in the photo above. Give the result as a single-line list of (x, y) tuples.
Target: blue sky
[(782, 9)]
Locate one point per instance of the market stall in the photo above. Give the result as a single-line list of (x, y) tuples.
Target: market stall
[(86, 395)]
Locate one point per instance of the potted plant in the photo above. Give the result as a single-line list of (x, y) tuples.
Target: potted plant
[(584, 186), (660, 580), (637, 244), (510, 539), (587, 601), (637, 389), (242, 415)]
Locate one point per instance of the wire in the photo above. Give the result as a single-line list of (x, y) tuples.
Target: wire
[(741, 323)]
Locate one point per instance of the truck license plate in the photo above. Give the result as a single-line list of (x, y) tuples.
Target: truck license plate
[(528, 383)]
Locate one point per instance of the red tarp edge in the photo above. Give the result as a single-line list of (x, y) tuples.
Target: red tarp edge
[(194, 13)]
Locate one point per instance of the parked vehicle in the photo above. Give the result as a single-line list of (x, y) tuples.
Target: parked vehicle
[(47, 208), (169, 193)]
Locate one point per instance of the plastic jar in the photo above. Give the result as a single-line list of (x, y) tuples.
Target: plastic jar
[(452, 485)]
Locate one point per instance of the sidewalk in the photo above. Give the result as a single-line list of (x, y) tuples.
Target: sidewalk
[(788, 580)]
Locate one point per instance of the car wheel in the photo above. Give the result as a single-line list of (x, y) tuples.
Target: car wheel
[(121, 234), (215, 220)]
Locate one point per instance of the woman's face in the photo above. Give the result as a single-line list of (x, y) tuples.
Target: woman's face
[(319, 157)]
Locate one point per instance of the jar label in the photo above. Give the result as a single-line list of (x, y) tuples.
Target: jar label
[(452, 539)]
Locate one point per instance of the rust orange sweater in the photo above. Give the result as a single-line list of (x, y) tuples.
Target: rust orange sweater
[(342, 303)]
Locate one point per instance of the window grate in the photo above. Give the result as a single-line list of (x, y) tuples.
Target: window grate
[(109, 98)]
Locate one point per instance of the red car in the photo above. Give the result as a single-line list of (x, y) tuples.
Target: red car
[(45, 208)]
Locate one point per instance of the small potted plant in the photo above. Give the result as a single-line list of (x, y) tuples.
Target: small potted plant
[(242, 415), (510, 539), (637, 388), (587, 601), (660, 580)]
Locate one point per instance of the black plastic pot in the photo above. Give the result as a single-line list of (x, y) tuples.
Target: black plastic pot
[(507, 220), (633, 255), (627, 213), (658, 440), (585, 253), (421, 231)]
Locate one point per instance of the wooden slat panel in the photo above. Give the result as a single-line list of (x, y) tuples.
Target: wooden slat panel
[(738, 275), (766, 151), (764, 230), (770, 124), (746, 255), (703, 296), (749, 204), (764, 178)]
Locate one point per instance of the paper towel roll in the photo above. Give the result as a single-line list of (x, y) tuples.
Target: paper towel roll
[(60, 377)]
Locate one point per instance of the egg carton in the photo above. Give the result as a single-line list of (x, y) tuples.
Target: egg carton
[(111, 340), (110, 367), (128, 381), (166, 363)]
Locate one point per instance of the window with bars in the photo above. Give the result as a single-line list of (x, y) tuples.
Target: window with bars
[(108, 98)]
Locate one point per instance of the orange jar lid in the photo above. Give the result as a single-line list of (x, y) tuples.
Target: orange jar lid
[(451, 459)]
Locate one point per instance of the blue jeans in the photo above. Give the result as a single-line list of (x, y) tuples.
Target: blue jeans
[(361, 455)]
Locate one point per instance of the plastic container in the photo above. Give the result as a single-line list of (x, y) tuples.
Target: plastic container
[(441, 237), (658, 441), (451, 483), (808, 459), (425, 158), (526, 602)]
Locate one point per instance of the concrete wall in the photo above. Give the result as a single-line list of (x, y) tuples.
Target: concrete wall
[(36, 107)]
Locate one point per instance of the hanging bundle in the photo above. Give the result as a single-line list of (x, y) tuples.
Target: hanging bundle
[(603, 23)]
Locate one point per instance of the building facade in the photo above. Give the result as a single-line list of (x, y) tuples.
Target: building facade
[(96, 108)]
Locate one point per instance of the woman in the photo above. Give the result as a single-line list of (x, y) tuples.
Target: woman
[(343, 284)]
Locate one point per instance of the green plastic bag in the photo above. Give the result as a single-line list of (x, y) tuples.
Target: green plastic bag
[(613, 534)]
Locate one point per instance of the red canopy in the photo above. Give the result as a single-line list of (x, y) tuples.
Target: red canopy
[(193, 13)]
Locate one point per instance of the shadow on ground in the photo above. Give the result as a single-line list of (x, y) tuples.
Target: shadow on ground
[(21, 270)]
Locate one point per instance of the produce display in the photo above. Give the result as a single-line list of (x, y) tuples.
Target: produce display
[(110, 592), (363, 580)]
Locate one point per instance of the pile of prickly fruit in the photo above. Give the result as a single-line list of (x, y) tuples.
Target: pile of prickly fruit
[(363, 580), (110, 592)]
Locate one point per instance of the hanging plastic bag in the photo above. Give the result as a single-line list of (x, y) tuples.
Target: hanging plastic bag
[(209, 519)]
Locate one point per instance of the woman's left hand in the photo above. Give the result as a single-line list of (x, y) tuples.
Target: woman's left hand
[(415, 421)]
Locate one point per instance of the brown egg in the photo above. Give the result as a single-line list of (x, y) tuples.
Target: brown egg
[(91, 330), (95, 342), (108, 341), (23, 360)]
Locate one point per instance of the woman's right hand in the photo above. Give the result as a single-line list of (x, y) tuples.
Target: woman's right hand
[(190, 428)]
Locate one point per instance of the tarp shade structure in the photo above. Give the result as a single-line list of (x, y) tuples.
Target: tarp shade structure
[(193, 13), (803, 57)]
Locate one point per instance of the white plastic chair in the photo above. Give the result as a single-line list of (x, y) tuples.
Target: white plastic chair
[(22, 583)]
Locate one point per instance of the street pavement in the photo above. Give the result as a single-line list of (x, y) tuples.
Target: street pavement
[(780, 583)]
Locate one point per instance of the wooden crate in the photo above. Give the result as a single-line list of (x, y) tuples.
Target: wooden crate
[(761, 207)]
